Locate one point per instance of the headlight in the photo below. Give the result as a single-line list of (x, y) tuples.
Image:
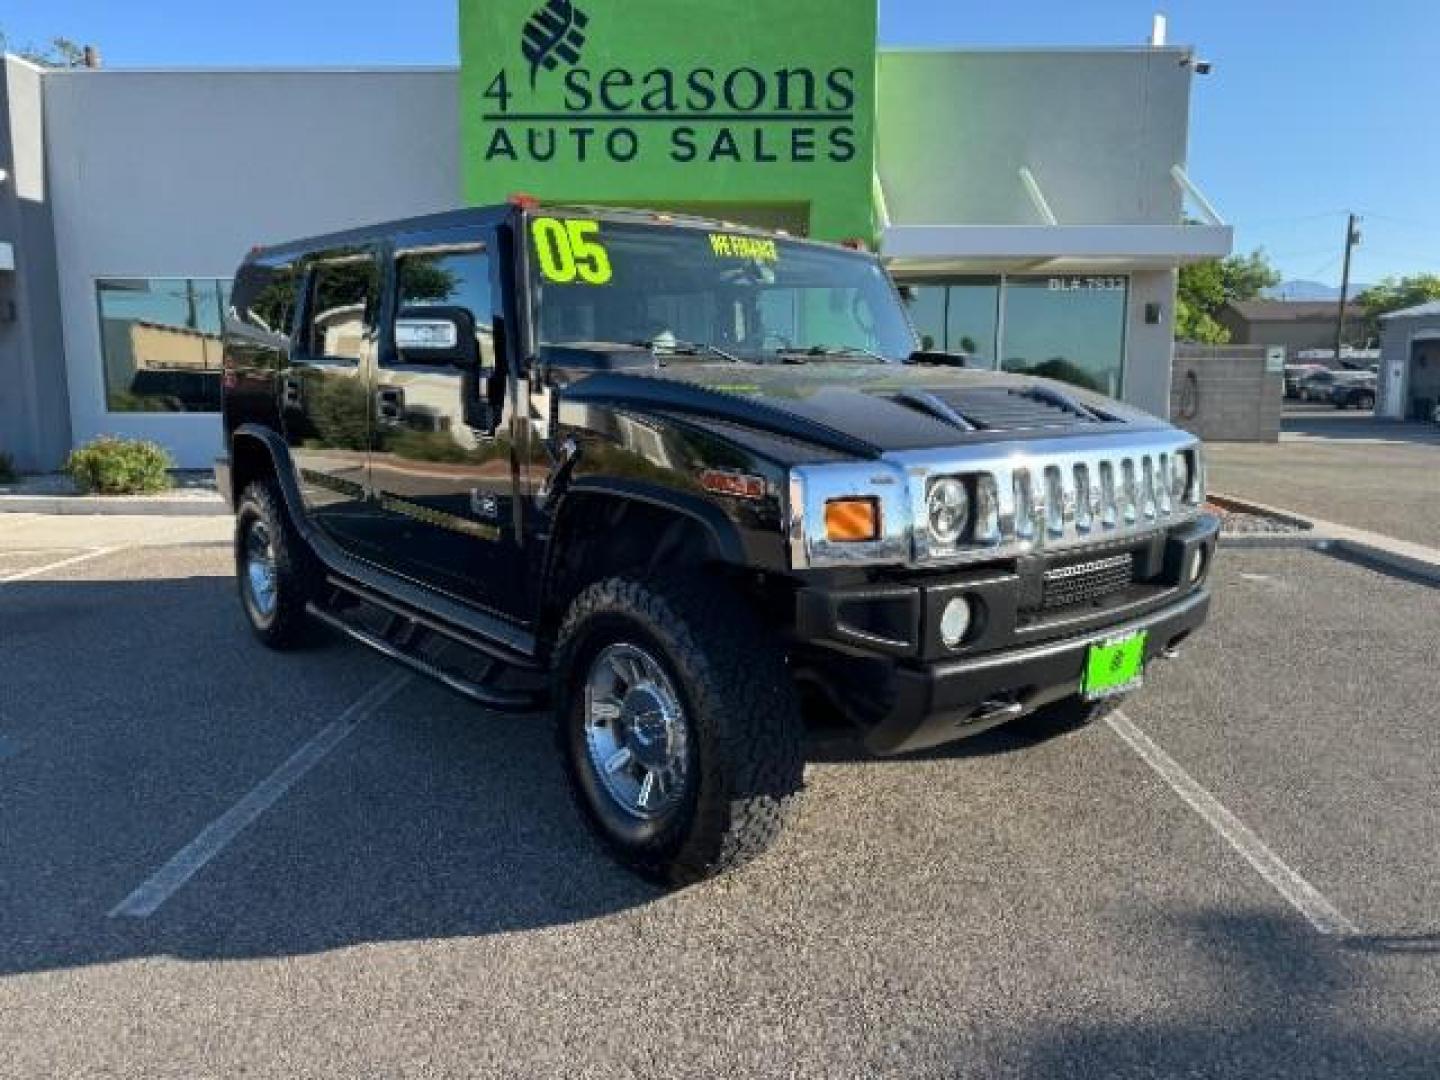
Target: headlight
[(947, 510)]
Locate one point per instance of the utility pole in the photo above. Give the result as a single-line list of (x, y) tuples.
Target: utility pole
[(1352, 237)]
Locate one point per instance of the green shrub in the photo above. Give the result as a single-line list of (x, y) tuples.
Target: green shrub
[(8, 475), (114, 466)]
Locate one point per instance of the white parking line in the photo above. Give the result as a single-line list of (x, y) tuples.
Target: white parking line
[(36, 571), (1303, 896), (213, 839)]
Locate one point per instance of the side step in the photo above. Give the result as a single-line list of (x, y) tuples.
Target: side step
[(401, 640)]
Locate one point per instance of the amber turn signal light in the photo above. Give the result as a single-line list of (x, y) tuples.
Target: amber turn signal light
[(851, 520)]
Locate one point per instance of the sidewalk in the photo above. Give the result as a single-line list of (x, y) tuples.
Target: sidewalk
[(194, 494), (1383, 552)]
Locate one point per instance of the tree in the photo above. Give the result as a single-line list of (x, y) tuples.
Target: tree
[(1395, 293), (60, 52), (1206, 287)]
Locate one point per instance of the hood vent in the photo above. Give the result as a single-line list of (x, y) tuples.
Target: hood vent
[(995, 408)]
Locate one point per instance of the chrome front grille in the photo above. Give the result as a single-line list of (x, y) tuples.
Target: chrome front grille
[(1027, 495), (1052, 497)]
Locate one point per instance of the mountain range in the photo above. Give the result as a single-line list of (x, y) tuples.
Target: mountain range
[(1309, 290)]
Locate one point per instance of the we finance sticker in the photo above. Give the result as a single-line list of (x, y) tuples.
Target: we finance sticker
[(736, 246)]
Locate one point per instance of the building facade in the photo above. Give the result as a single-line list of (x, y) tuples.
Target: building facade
[(1301, 326), (1409, 381), (1031, 201)]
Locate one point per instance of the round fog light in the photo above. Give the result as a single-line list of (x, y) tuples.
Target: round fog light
[(955, 621), (1197, 564)]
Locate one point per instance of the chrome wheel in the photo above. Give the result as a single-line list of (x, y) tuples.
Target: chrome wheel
[(260, 578), (636, 732)]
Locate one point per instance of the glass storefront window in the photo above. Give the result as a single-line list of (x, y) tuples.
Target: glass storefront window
[(160, 342), (972, 319), (1070, 328), (960, 315)]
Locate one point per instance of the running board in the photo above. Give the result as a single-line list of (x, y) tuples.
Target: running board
[(491, 697)]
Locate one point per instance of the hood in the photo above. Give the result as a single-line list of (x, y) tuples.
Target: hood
[(860, 409)]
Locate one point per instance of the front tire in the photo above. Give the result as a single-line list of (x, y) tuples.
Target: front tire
[(679, 726), (273, 569)]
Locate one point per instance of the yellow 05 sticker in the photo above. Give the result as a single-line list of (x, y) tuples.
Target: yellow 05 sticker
[(569, 250)]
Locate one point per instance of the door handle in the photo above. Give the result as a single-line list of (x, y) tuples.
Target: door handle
[(390, 404), (291, 392)]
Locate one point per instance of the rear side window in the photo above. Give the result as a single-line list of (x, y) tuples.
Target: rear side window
[(342, 304)]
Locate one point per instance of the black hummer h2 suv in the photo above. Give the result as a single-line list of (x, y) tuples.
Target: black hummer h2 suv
[(678, 480)]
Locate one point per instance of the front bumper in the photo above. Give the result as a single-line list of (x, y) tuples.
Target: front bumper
[(874, 648), (941, 702)]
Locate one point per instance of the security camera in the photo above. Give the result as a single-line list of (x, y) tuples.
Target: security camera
[(1202, 67)]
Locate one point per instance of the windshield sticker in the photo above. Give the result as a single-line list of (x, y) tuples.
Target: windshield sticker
[(569, 250), (733, 246)]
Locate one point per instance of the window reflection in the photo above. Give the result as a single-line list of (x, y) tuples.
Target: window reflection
[(960, 316), (160, 343), (1067, 327)]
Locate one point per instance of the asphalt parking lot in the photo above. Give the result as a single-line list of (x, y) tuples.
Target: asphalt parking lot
[(1347, 467), (421, 899)]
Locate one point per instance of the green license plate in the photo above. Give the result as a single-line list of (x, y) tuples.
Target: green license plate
[(1114, 666)]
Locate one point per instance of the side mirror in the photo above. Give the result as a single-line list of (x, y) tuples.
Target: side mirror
[(437, 335)]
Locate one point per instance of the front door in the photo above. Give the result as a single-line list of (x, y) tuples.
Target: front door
[(325, 390), (442, 468)]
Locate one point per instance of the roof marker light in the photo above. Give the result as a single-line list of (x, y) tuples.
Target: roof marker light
[(523, 201)]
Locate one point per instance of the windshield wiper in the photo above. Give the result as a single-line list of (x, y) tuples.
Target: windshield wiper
[(668, 347), (795, 354)]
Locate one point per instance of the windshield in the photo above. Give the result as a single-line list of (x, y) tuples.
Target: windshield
[(711, 295)]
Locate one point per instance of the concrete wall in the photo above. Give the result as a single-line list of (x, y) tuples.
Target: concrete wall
[(1100, 130), (1224, 394), (177, 174), (34, 414)]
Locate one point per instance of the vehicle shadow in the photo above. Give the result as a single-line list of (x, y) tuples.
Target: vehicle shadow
[(143, 710), (1273, 998)]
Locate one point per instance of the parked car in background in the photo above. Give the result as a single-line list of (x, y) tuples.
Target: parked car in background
[(1353, 390), (1296, 373), (1317, 385)]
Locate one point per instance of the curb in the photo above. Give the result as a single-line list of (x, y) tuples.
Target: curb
[(112, 504), (1415, 562)]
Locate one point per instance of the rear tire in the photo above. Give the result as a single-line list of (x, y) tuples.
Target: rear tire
[(273, 568), (679, 726)]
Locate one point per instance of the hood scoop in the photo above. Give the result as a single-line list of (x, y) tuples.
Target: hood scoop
[(996, 408)]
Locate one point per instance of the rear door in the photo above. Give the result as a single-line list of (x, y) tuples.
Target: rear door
[(442, 468), (325, 389)]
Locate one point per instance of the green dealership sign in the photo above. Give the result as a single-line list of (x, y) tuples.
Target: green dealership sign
[(739, 108)]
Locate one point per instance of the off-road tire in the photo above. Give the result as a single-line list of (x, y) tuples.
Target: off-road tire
[(295, 576), (743, 717), (1067, 714)]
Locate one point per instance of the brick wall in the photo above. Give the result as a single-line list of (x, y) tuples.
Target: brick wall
[(1224, 394)]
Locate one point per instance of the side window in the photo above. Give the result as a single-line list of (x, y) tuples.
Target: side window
[(265, 298), (342, 302), (437, 288)]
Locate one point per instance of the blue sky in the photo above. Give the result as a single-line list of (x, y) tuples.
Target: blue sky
[(1313, 108)]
